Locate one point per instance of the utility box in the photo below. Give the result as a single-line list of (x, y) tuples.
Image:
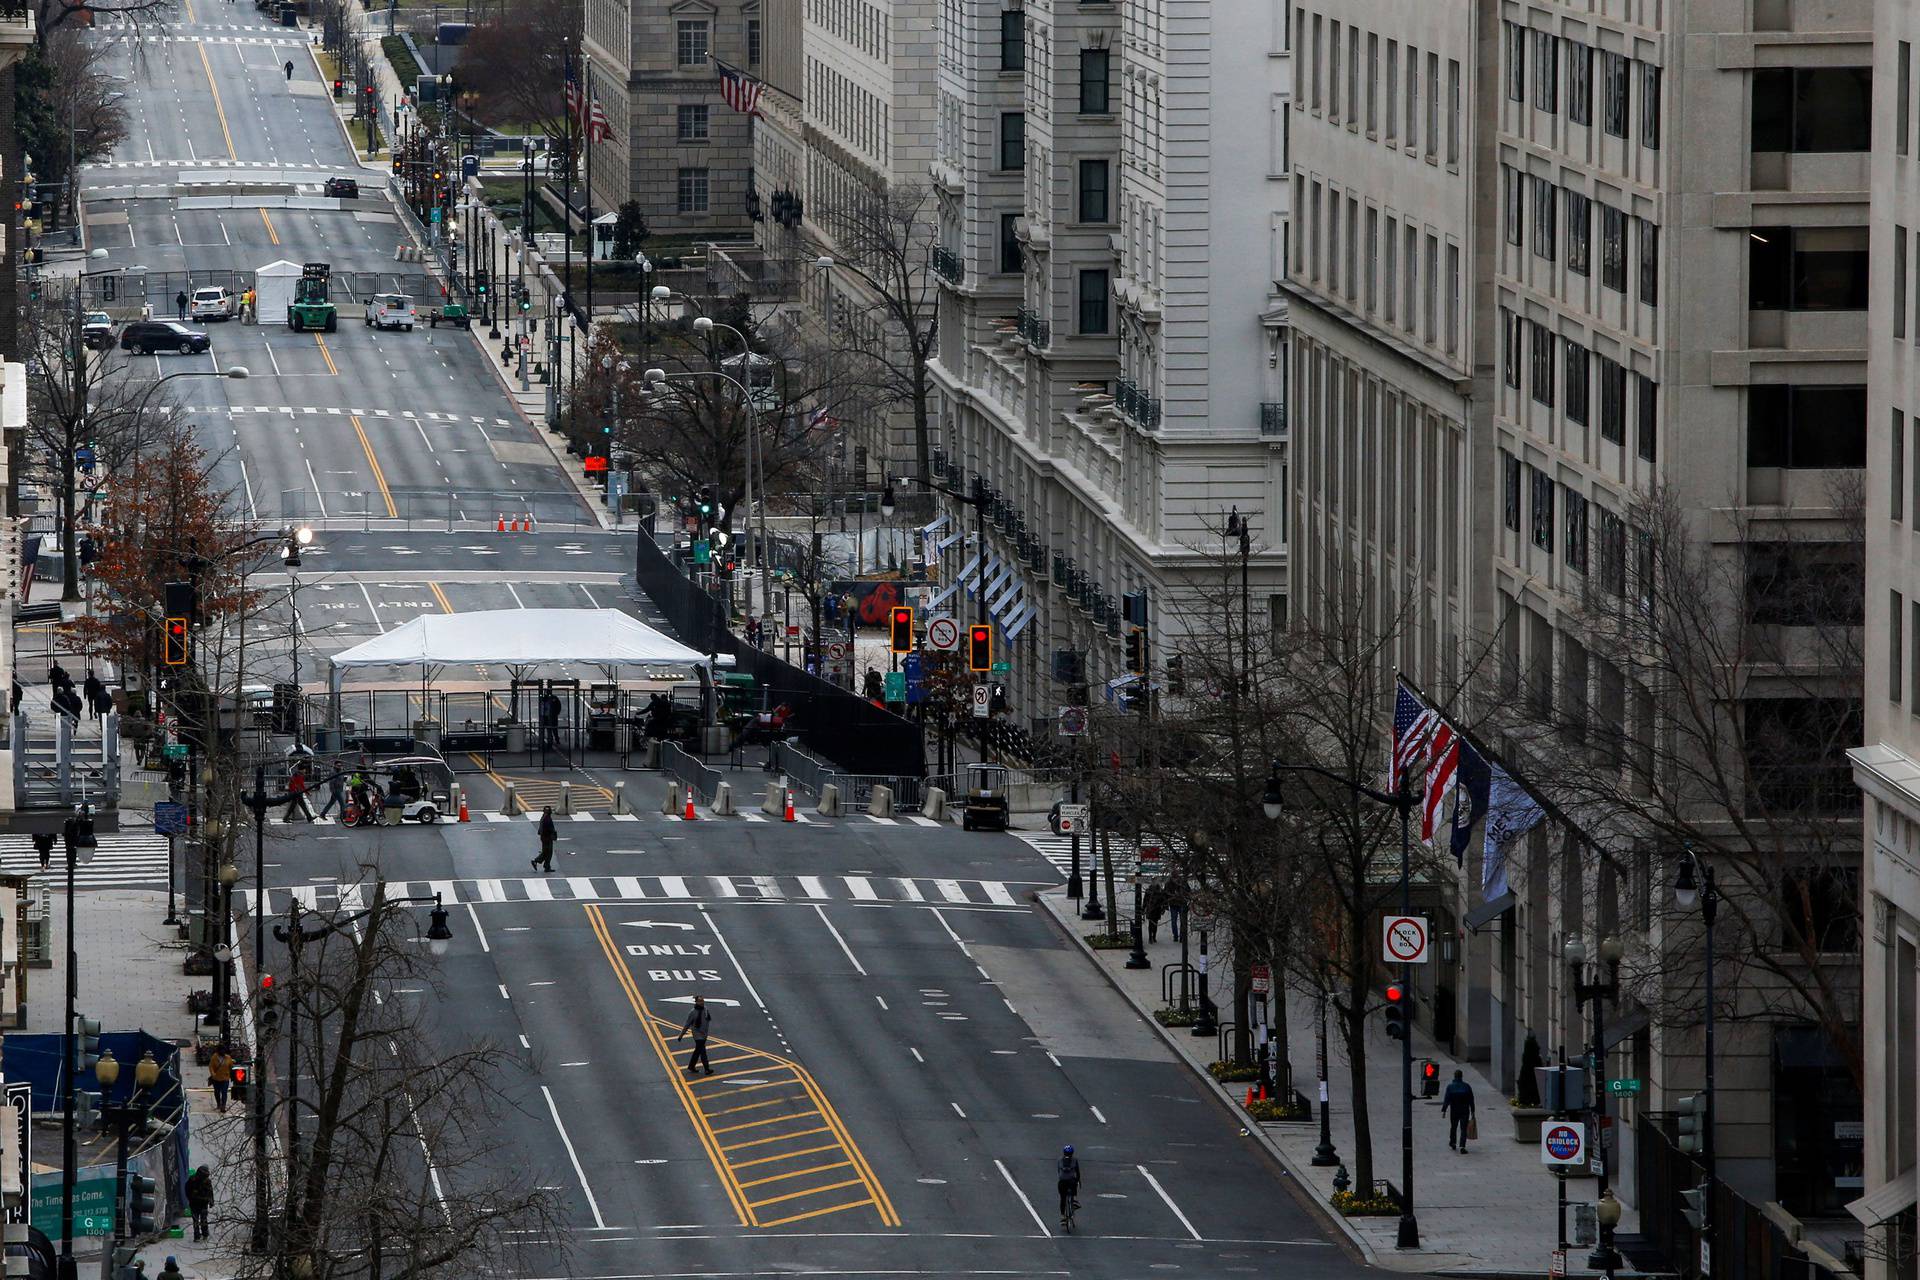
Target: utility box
[(1558, 1098)]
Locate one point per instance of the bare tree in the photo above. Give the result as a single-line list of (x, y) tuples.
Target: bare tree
[(1726, 662), (396, 1164), (515, 59), (886, 240), (67, 108), (52, 16)]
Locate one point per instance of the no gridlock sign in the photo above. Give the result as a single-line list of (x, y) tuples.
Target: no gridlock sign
[(1563, 1142)]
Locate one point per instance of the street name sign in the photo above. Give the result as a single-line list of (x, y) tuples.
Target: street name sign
[(1625, 1088)]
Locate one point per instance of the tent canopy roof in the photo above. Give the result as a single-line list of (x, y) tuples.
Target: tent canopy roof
[(521, 637)]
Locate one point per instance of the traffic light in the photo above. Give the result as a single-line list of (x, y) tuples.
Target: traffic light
[(1429, 1078), (480, 282), (86, 1108), (269, 1003), (338, 85), (902, 630), (1137, 651), (86, 1044), (240, 1083), (1176, 676), (141, 1191), (1693, 1206), (176, 643), (1692, 1123), (980, 647), (1397, 1012)]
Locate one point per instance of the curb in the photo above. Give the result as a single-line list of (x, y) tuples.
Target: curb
[(1303, 1190)]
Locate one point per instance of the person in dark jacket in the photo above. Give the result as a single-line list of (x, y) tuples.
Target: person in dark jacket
[(94, 691), (200, 1200), (1456, 1104), (698, 1021), (1154, 905), (548, 834), (18, 694), (336, 794), (57, 676), (103, 705)]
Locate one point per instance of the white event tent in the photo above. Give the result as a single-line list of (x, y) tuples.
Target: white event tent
[(519, 638)]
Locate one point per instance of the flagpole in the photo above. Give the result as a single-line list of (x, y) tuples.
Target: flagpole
[(587, 134), (566, 197)]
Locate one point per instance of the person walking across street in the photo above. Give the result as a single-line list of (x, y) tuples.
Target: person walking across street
[(336, 794), (220, 1076), (1456, 1104), (699, 1019), (180, 303), (93, 689), (200, 1200), (297, 793), (548, 834)]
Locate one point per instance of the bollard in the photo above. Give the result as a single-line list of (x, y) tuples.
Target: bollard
[(566, 798), (881, 804), (620, 797), (771, 805), (829, 805), (510, 800), (670, 803), (935, 806), (723, 799)]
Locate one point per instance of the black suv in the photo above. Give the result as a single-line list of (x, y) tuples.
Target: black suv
[(144, 337), (341, 189)]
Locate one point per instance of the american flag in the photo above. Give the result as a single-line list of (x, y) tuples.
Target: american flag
[(573, 92), (598, 128), (1443, 770), (1413, 724), (821, 420), (741, 90)]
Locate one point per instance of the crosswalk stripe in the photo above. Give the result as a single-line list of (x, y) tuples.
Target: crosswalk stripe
[(975, 894), (861, 888), (951, 891)]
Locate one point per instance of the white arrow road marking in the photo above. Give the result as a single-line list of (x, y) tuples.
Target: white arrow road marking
[(731, 1004), (657, 924)]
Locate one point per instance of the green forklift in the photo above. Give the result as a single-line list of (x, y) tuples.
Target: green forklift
[(312, 307)]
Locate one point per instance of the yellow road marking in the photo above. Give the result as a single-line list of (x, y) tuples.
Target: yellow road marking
[(326, 355), (379, 477), (810, 1191), (745, 1071), (756, 1124), (804, 1151), (271, 233), (441, 596), (738, 1057), (821, 1213), (751, 1106), (190, 18), (779, 1137), (647, 1023), (751, 1088), (799, 1173), (208, 68)]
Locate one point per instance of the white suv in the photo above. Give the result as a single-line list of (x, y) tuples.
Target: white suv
[(212, 304), (391, 311)]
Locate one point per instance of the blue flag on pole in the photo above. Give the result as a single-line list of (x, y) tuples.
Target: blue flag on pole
[(1511, 813), (1469, 799)]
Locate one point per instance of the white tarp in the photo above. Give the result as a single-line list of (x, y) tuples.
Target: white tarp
[(273, 291), (521, 637)]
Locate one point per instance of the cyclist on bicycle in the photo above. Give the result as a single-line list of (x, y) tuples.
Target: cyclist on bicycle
[(1068, 1171)]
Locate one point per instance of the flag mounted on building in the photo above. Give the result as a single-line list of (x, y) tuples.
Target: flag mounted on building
[(741, 90), (1413, 725), (573, 92), (821, 420)]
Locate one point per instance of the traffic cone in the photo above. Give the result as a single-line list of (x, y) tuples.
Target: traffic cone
[(788, 816), (514, 527), (529, 522), (463, 808), (689, 815), (1249, 1101), (499, 524)]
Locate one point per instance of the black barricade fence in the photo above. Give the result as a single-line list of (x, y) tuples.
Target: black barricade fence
[(832, 722)]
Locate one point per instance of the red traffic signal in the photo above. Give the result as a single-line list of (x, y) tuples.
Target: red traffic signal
[(175, 643), (1430, 1070), (901, 631), (1394, 993), (1397, 1012), (980, 647)]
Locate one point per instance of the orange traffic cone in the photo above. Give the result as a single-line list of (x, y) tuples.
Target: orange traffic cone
[(788, 816), (689, 815), (463, 808), (513, 526), (499, 524), (1249, 1101), (529, 522)]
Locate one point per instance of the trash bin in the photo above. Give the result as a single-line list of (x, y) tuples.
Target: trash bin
[(516, 737)]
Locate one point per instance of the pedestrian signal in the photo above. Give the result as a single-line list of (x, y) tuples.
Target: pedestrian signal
[(980, 647), (902, 629), (1137, 651), (1692, 1123)]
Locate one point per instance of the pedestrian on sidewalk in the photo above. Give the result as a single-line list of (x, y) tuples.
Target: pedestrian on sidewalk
[(103, 705), (57, 676), (180, 303), (1456, 1104), (1154, 905), (220, 1076), (67, 703), (1177, 895), (200, 1200), (698, 1021), (297, 793), (548, 834), (93, 689), (18, 694), (172, 1269), (336, 794)]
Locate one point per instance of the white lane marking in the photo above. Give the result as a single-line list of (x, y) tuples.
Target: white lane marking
[(1096, 1114), (371, 609), (1162, 1193), (722, 940), (951, 934), (916, 1054), (518, 603), (253, 512), (578, 1172), (883, 1003), (524, 1042), (270, 358), (423, 435), (957, 1111), (851, 958), (478, 932), (318, 497), (1023, 1199), (503, 992)]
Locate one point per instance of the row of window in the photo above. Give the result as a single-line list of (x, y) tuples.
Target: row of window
[(862, 118), (1096, 65), (1380, 269), (1560, 369), (1357, 88), (860, 23), (1807, 268), (1621, 79), (1582, 522), (1532, 215)]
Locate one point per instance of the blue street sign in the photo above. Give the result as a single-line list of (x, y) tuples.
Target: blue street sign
[(894, 684), (910, 668), (169, 818), (434, 214)]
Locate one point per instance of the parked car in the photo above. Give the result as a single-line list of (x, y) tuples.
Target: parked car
[(391, 311), (96, 331), (144, 337), (341, 189), (212, 303)]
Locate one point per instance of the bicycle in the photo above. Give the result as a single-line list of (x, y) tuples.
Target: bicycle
[(1073, 1206)]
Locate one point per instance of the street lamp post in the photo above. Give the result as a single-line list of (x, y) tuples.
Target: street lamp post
[(1402, 801), (1324, 1155), (223, 986), (1694, 887), (1597, 993), (258, 803), (78, 833), (125, 1116), (1241, 527)]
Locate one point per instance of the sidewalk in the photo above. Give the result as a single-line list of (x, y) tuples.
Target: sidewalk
[(1489, 1213)]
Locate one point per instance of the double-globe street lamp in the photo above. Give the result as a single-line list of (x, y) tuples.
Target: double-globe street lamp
[(1596, 979), (1403, 801), (77, 832), (125, 1115), (758, 552), (1693, 887)]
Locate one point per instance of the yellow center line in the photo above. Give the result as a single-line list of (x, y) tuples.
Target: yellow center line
[(440, 595), (208, 68), (810, 1191), (379, 478), (190, 18), (647, 1022), (326, 355), (272, 235), (749, 1071), (799, 1173)]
